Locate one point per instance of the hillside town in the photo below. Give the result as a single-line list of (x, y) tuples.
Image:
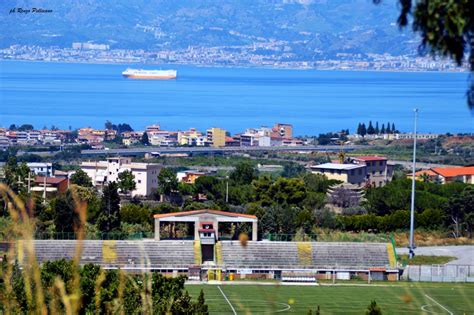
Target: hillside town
[(243, 56)]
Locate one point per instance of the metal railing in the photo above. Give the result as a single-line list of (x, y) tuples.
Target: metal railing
[(93, 236), (290, 237)]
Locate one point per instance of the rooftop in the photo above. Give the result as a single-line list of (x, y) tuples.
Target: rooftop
[(370, 158), (337, 166), (204, 211), (49, 180), (454, 171)]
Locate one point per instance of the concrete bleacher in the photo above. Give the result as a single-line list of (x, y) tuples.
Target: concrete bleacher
[(288, 255), (120, 253), (177, 254)]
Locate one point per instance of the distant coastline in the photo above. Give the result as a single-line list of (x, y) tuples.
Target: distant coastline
[(198, 65)]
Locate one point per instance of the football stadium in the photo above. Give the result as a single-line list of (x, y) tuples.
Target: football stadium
[(252, 276)]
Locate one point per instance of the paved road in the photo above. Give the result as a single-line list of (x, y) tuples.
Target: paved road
[(464, 253), (141, 151), (423, 165)]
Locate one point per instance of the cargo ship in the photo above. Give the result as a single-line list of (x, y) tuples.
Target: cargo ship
[(150, 74)]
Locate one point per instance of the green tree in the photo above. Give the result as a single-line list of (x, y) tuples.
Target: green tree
[(318, 182), (212, 187), (446, 28), (65, 218), (201, 307), (373, 309), (89, 274), (293, 170), (370, 129), (18, 286), (26, 127), (81, 178), (109, 217), (243, 174), (144, 140), (459, 207), (126, 181), (363, 130), (135, 214), (167, 182), (15, 174)]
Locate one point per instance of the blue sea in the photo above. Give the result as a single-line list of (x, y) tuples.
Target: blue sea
[(77, 95)]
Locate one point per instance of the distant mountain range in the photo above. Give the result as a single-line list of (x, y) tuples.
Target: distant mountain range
[(310, 28)]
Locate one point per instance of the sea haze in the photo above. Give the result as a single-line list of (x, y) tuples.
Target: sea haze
[(78, 95)]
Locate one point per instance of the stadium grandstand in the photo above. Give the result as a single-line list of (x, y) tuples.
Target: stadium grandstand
[(208, 255)]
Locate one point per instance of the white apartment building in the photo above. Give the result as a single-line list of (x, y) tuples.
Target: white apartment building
[(41, 169), (104, 172), (260, 137)]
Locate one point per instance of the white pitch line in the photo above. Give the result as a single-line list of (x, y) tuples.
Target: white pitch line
[(429, 297), (230, 304)]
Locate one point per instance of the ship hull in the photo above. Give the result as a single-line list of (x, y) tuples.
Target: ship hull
[(148, 77)]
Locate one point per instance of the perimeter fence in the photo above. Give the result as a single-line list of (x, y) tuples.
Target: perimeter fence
[(439, 273)]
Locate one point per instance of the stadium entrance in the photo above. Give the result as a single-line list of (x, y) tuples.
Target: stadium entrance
[(206, 229)]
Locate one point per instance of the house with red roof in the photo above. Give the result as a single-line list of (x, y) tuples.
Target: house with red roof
[(443, 175), (49, 186)]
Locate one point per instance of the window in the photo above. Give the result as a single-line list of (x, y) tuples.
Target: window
[(139, 181)]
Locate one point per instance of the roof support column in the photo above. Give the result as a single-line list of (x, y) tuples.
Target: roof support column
[(157, 229), (196, 230), (254, 231)]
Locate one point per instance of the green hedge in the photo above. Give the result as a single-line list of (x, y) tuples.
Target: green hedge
[(397, 220)]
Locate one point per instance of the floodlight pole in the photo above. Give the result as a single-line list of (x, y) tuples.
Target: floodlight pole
[(227, 189), (412, 208)]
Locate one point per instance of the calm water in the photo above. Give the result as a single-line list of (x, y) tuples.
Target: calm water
[(313, 101)]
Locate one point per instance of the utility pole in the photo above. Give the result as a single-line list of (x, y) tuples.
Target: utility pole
[(227, 189), (29, 179), (412, 208), (44, 190)]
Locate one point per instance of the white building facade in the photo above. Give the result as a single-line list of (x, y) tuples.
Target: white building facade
[(104, 172)]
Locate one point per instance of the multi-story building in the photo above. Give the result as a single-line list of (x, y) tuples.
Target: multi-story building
[(216, 137), (189, 177), (361, 171), (346, 173), (21, 137), (4, 142), (379, 172), (256, 137), (282, 130), (41, 169), (153, 128), (131, 137), (190, 137), (104, 172), (89, 135)]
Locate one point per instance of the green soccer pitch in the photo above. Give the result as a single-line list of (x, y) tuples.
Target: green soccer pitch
[(393, 298)]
